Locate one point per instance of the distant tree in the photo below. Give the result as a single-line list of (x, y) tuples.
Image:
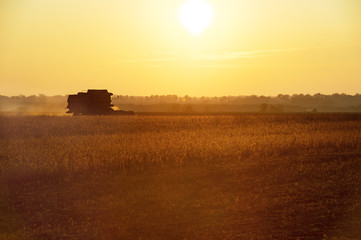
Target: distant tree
[(188, 108), (314, 110), (175, 107), (263, 108), (276, 108)]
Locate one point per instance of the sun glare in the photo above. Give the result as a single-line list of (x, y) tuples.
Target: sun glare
[(196, 16)]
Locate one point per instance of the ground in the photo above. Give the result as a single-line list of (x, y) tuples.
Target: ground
[(245, 176)]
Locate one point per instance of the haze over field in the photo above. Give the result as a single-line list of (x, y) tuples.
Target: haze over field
[(143, 47)]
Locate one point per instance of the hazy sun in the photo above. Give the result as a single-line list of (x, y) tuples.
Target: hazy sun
[(196, 15)]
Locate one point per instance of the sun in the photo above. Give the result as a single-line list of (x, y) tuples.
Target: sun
[(196, 16)]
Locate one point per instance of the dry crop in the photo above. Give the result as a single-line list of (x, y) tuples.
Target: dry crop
[(181, 177)]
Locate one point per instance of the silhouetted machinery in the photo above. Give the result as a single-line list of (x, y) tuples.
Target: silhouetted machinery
[(93, 102)]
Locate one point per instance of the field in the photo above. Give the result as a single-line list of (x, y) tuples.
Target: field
[(295, 176)]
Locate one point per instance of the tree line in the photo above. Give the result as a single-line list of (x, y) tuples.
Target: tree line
[(173, 103)]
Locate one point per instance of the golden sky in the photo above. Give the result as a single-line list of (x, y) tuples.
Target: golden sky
[(140, 47)]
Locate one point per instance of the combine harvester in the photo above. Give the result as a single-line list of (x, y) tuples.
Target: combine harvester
[(93, 102)]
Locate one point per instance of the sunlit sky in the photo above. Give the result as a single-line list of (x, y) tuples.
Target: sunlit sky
[(141, 47)]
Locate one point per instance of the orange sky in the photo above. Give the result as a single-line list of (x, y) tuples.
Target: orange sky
[(139, 47)]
